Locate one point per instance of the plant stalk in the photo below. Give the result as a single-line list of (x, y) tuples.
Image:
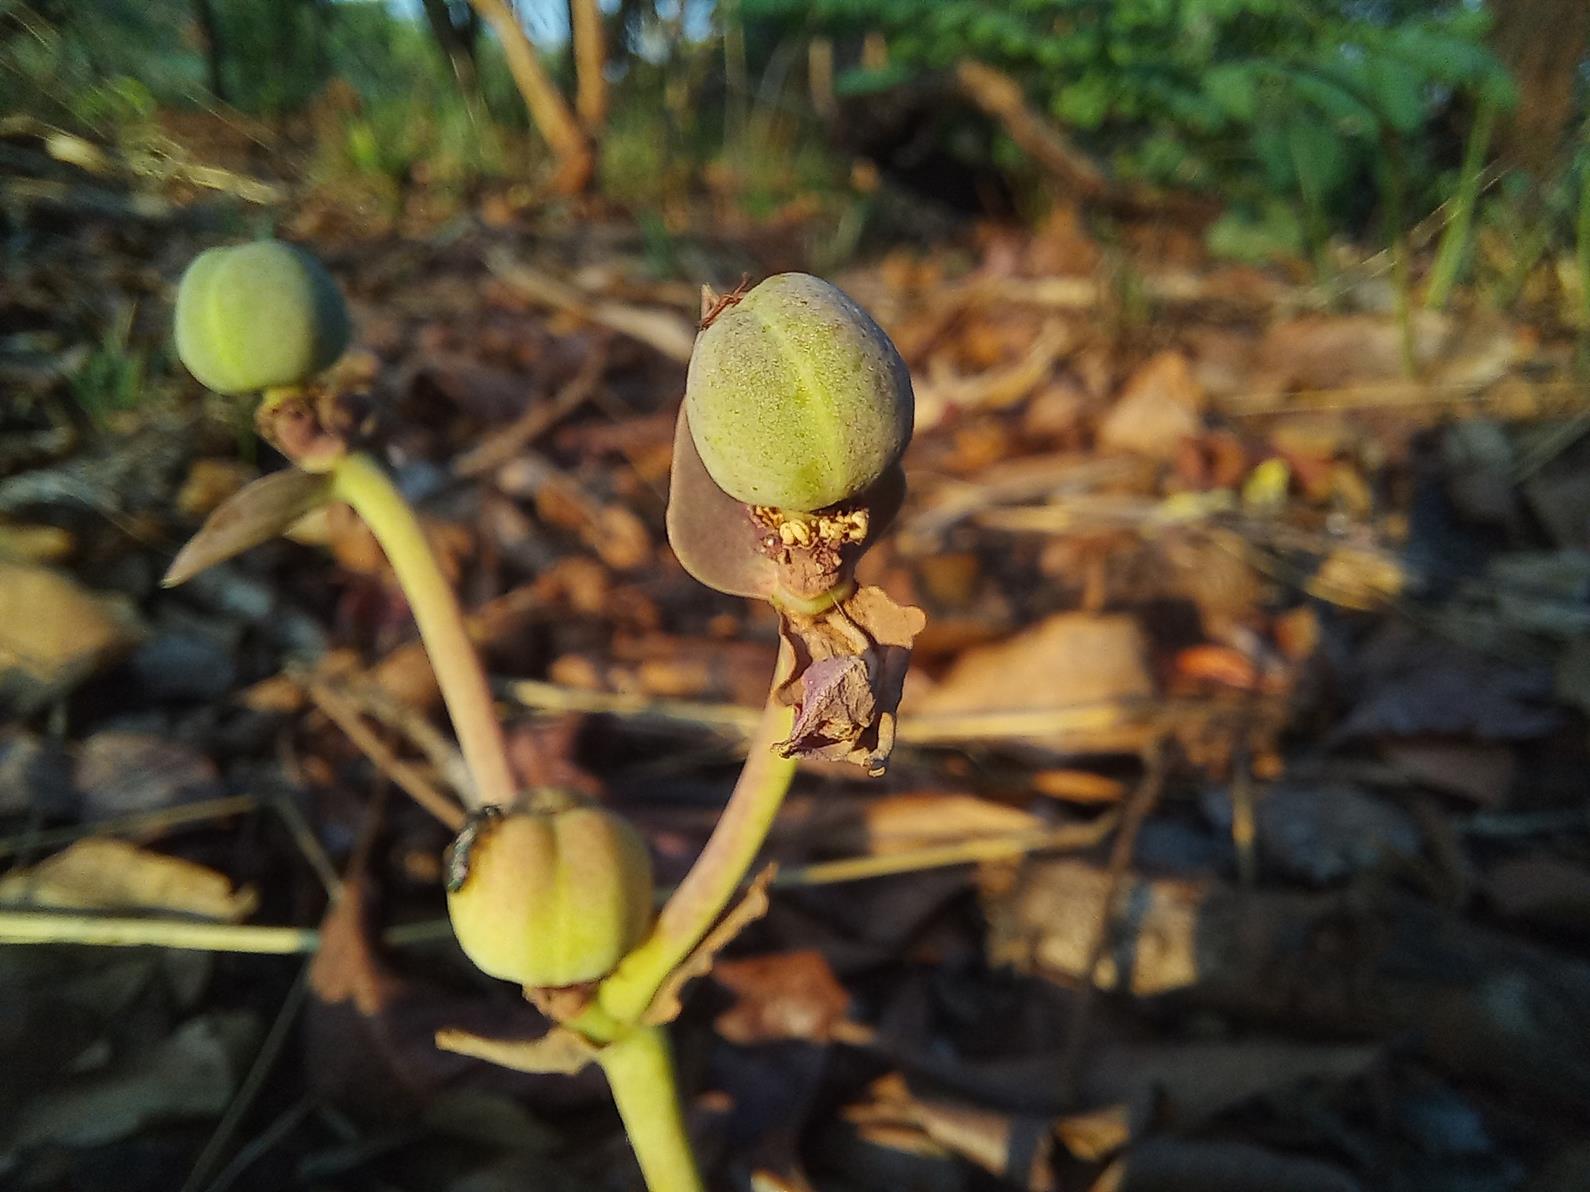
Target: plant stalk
[(363, 484), (1455, 240), (640, 1071), (717, 873), (1394, 177), (1582, 247)]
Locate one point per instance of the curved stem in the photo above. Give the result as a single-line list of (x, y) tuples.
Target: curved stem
[(717, 873), (361, 482), (640, 1071)]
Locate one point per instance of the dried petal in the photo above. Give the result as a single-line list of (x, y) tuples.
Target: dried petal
[(256, 513), (850, 664)]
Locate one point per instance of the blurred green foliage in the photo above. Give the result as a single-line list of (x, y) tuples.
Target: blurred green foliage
[(1307, 119), (1283, 108)]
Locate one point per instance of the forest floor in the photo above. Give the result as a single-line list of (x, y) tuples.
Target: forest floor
[(1237, 838)]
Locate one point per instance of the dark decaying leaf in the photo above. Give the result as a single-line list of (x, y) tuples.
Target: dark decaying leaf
[(850, 663), (783, 995), (254, 514)]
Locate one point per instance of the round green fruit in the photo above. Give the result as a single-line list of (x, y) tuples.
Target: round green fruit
[(796, 398), (549, 897), (259, 315)]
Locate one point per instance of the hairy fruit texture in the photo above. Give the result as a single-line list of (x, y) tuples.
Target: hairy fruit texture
[(796, 399), (549, 897), (257, 316)]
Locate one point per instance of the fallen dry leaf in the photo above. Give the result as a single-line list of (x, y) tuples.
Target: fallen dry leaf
[(1159, 408), (101, 874), (54, 633), (120, 773), (1065, 660)]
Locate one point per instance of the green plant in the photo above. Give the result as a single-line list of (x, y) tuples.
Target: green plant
[(1582, 240), (1257, 100), (547, 892), (112, 374), (1450, 256)]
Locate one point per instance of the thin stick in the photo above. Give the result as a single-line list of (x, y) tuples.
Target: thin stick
[(140, 821), (965, 852), (288, 1121), (1103, 724), (534, 422), (270, 1048), (1138, 806), (309, 846), (359, 480), (405, 776), (47, 927)]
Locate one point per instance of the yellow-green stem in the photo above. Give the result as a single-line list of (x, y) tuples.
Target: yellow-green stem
[(640, 1071), (717, 873), (361, 482)]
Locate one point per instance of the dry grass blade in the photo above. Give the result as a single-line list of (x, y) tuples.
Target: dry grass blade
[(116, 931), (1124, 725), (254, 514), (1138, 807), (966, 852), (406, 777)]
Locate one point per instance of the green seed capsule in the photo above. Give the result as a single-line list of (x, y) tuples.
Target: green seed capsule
[(549, 897), (796, 398), (259, 315)]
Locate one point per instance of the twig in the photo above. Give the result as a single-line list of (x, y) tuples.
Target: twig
[(140, 821), (537, 419), (270, 1048), (48, 927), (1101, 726), (309, 845), (1552, 397), (1139, 804), (285, 1124), (999, 95), (405, 776), (372, 699), (668, 332), (965, 852)]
